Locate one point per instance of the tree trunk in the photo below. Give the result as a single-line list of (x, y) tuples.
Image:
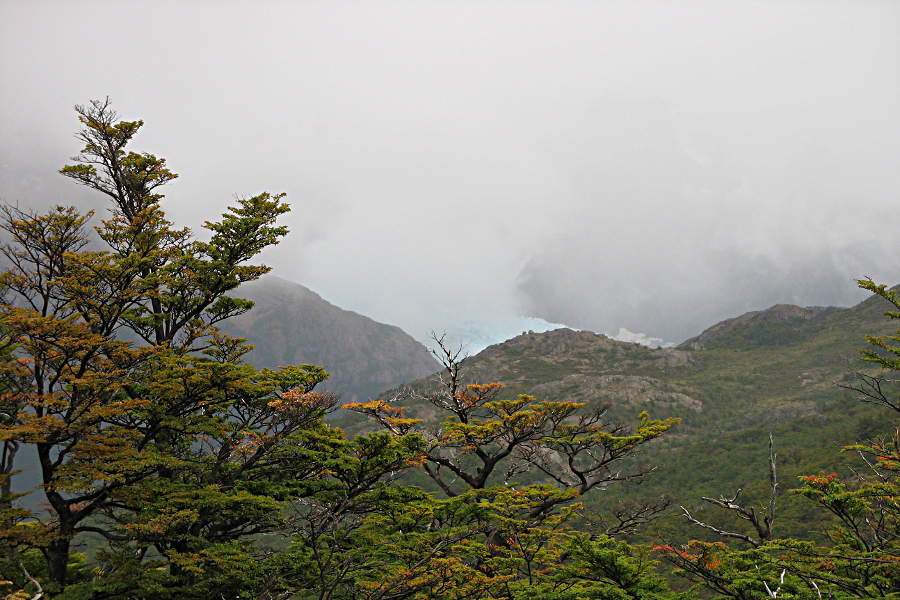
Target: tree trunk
[(7, 462), (58, 558)]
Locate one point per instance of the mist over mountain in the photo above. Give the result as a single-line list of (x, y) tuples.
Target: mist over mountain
[(698, 290), (721, 227), (653, 166), (471, 337)]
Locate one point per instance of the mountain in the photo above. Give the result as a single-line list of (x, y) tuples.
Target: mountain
[(777, 370), (291, 324), (781, 324)]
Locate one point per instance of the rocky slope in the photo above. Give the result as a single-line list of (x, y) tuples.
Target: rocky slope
[(291, 324), (776, 370)]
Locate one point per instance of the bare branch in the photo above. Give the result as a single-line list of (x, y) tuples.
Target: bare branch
[(871, 389), (773, 479), (40, 591), (721, 532), (764, 526)]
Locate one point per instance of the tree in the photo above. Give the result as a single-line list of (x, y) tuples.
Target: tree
[(519, 466), (486, 440), (105, 412), (10, 514)]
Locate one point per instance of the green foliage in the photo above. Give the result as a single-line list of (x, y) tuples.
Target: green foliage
[(861, 557), (886, 353), (607, 569), (498, 534)]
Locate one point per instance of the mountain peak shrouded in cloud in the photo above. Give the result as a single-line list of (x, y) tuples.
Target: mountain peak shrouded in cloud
[(650, 166), (471, 337)]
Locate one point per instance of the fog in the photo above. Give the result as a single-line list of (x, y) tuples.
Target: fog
[(655, 166)]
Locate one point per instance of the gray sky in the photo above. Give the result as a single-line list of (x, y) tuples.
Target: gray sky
[(650, 165)]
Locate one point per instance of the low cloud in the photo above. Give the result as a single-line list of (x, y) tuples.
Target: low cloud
[(652, 166)]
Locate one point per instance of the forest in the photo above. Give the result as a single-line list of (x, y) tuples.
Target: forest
[(171, 467)]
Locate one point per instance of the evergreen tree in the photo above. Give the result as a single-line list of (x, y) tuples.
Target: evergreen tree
[(513, 472), (150, 431)]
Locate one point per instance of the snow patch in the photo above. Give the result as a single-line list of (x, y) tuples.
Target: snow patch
[(625, 335)]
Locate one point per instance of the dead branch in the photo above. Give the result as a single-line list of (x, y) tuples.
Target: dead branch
[(871, 389), (721, 532), (40, 591), (764, 525)]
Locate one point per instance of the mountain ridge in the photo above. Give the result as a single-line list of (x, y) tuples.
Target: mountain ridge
[(291, 324)]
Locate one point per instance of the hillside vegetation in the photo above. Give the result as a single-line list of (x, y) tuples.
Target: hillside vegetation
[(772, 371)]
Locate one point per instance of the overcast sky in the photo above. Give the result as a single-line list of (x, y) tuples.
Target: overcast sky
[(650, 165)]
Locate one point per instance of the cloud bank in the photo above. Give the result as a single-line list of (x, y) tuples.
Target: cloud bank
[(654, 166)]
